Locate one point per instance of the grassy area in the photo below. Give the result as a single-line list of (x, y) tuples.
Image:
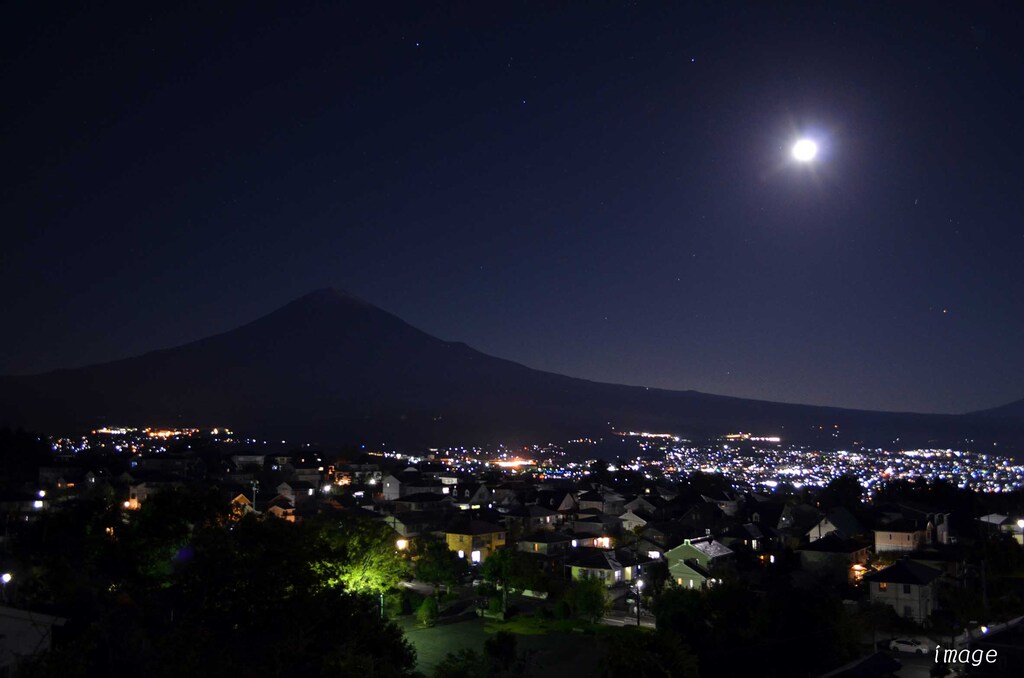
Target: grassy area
[(556, 644), (530, 625), (432, 644)]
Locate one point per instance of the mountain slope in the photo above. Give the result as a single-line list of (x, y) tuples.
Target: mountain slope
[(330, 367)]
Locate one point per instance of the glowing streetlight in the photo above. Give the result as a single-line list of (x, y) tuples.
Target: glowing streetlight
[(401, 544), (6, 578), (639, 587)]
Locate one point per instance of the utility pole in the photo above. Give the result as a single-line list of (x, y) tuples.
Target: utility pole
[(984, 592)]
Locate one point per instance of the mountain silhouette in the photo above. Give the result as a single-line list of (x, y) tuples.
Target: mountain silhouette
[(329, 367)]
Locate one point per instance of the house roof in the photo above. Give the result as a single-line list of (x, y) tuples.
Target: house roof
[(833, 543), (905, 572), (713, 549), (691, 565), (844, 521), (994, 519), (32, 617), (745, 531), (594, 559), (422, 497), (799, 519), (901, 525), (472, 527), (548, 537), (298, 484)]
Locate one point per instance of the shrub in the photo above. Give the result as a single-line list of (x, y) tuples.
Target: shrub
[(427, 613)]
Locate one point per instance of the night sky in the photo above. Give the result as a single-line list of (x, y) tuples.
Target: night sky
[(601, 190)]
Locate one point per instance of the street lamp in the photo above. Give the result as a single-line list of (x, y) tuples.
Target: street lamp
[(6, 579), (401, 544), (639, 588)]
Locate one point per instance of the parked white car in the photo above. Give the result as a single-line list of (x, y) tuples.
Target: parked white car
[(911, 645)]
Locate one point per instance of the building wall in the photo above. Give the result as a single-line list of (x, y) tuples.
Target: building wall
[(898, 541), (467, 544), (910, 601), (609, 577), (24, 634)]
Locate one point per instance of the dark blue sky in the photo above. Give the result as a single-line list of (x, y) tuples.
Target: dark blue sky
[(602, 190)]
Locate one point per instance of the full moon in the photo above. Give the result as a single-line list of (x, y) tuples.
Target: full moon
[(804, 150)]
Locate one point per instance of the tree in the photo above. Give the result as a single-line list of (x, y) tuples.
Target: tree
[(507, 569), (427, 614), (497, 569), (589, 599), (358, 555), (844, 491), (439, 565), (461, 664), (500, 659), (210, 616), (632, 652)]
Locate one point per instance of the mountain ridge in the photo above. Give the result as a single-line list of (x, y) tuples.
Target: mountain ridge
[(331, 366)]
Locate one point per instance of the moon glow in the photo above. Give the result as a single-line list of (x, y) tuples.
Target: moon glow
[(805, 150)]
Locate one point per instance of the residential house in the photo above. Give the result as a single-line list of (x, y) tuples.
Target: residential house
[(796, 522), (297, 490), (646, 504), (546, 543), (471, 495), (749, 536), (840, 559), (727, 502), (837, 519), (690, 563), (666, 535), (409, 481), (241, 504), (901, 535), (632, 522), (593, 523), (474, 539), (416, 523), (526, 519), (907, 587), (561, 500), (551, 547), (591, 563), (281, 507), (24, 634), (422, 501)]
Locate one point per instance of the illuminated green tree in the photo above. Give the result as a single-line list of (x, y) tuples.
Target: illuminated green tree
[(359, 556)]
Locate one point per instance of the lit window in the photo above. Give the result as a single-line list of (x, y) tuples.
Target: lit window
[(883, 586), (462, 554), (475, 556)]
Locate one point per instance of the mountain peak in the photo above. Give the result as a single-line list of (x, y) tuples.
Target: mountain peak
[(330, 295)]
